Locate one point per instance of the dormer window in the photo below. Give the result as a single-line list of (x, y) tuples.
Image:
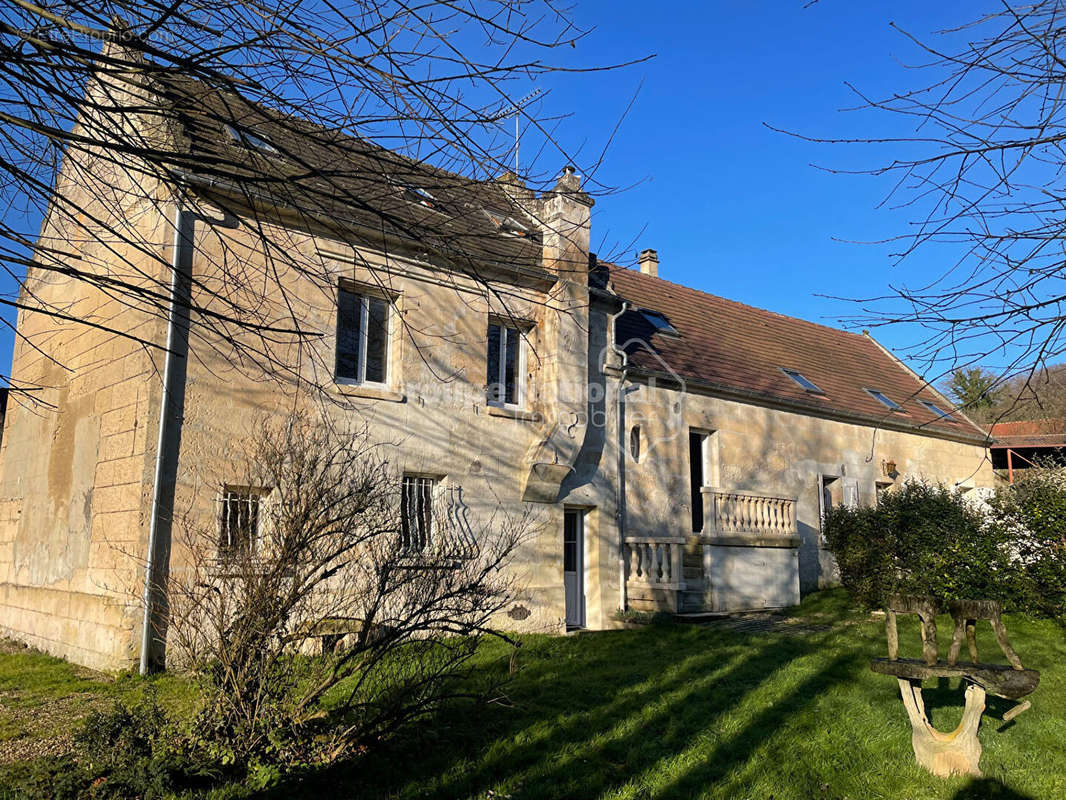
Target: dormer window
[(507, 224), (887, 402), (659, 322), (250, 140), (935, 409), (804, 383)]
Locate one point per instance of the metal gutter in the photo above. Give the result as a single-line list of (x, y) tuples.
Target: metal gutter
[(151, 563), (620, 502)]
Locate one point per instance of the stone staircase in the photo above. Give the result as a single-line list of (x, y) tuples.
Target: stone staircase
[(692, 569)]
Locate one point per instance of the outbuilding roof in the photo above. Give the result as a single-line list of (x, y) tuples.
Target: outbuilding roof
[(725, 346)]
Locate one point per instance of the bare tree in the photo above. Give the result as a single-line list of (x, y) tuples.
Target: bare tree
[(370, 121), (980, 162), (324, 608)]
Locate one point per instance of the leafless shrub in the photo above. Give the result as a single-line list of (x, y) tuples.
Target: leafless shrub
[(323, 609)]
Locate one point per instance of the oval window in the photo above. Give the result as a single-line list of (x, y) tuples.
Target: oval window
[(634, 442)]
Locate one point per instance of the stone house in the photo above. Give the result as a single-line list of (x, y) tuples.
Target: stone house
[(679, 447)]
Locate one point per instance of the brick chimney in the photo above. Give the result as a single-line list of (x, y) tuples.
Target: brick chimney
[(649, 262)]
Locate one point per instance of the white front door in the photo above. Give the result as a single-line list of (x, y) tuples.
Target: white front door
[(574, 567)]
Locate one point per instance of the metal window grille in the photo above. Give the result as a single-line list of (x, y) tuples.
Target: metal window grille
[(416, 510), (238, 521)]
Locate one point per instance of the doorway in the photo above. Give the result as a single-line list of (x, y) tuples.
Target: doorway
[(574, 567)]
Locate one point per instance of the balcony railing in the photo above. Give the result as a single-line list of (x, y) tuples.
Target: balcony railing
[(655, 562), (736, 513)]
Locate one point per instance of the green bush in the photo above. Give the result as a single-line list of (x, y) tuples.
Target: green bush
[(127, 752), (1032, 515), (922, 540)]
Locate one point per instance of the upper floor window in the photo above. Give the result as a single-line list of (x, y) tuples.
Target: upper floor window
[(362, 338), (504, 369)]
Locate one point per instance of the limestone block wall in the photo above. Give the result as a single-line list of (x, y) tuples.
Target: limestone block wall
[(432, 413), (75, 464)]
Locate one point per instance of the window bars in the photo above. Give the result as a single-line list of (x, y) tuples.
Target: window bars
[(238, 516)]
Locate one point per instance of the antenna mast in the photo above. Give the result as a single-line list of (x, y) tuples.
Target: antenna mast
[(514, 110)]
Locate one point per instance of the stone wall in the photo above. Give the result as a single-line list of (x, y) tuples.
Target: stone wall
[(776, 452)]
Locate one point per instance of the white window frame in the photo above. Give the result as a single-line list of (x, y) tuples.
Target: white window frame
[(364, 337), (501, 367)]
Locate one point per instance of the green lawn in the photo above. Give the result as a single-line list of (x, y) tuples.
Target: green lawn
[(678, 711)]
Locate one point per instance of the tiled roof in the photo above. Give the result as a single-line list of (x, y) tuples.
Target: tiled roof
[(736, 348), (341, 178), (1029, 433)]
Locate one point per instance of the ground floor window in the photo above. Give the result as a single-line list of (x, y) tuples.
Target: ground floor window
[(238, 521), (416, 512)]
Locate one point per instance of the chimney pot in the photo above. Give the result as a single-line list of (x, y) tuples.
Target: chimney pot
[(649, 262)]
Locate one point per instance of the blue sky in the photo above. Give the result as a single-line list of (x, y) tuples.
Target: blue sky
[(733, 207)]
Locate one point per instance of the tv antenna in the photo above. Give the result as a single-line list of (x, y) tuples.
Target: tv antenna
[(513, 110)]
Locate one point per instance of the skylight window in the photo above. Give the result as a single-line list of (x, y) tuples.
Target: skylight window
[(807, 385), (659, 323), (887, 402), (935, 408), (508, 224), (249, 139), (424, 197)]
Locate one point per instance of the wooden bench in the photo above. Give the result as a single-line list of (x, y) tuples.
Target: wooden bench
[(958, 752)]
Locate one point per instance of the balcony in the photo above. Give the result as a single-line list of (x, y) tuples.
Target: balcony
[(693, 573), (732, 517)]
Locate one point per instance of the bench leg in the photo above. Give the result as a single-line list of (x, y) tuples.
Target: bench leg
[(945, 754)]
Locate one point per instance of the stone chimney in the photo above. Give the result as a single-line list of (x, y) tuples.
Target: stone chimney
[(649, 262)]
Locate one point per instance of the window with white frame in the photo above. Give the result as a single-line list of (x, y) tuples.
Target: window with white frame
[(238, 521), (416, 513), (362, 338), (504, 385)]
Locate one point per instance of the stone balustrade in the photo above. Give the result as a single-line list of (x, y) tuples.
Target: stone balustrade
[(731, 513), (655, 562)]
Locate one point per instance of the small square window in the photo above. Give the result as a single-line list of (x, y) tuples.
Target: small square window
[(887, 402), (808, 385), (238, 521), (504, 366), (362, 338), (416, 513)]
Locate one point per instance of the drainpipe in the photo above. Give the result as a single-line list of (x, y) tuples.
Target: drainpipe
[(621, 469), (164, 435)]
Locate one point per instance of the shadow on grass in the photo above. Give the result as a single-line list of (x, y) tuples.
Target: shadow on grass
[(594, 713), (988, 789)]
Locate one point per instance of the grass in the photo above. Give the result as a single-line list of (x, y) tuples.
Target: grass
[(679, 711)]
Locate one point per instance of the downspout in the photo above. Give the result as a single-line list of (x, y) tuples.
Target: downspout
[(620, 504), (164, 404)]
